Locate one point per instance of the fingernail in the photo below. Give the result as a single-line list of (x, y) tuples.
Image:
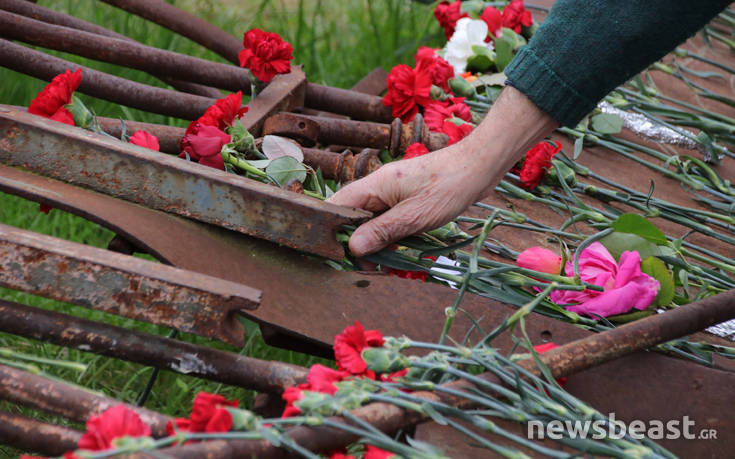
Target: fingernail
[(359, 244)]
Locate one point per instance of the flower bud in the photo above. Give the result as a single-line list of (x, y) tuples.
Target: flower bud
[(243, 419), (82, 116), (462, 88), (382, 360), (540, 259)]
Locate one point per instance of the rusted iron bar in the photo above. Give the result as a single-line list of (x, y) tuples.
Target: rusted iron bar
[(104, 86), (124, 52), (148, 349), (123, 285), (65, 400), (345, 166), (390, 418), (31, 10), (395, 137), (186, 24), (169, 137), (29, 434), (356, 105), (374, 83), (172, 185), (283, 93)]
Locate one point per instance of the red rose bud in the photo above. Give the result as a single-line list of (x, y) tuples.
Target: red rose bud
[(540, 259), (265, 55), (51, 101)]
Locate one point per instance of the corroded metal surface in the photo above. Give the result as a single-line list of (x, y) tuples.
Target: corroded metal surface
[(123, 285), (374, 83), (32, 435), (147, 349), (71, 402), (105, 86), (126, 53), (345, 166), (186, 24), (305, 131), (356, 105), (283, 93), (162, 182)]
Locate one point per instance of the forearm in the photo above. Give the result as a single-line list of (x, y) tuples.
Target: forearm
[(584, 49)]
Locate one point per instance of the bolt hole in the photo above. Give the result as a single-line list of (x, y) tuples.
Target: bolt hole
[(546, 335), (302, 125), (362, 283)]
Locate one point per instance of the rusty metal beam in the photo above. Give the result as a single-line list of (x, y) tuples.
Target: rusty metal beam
[(104, 86), (31, 10), (345, 166), (356, 105), (283, 93), (170, 184), (374, 83), (65, 400), (186, 24), (148, 349), (123, 285), (126, 53), (29, 434), (389, 418)]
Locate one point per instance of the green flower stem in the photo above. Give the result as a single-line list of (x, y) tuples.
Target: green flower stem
[(517, 192), (721, 38), (244, 165), (681, 52), (723, 266), (381, 441), (11, 354), (480, 382), (30, 368), (524, 227), (501, 450)]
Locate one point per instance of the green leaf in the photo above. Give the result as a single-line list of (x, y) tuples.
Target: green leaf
[(481, 60), (473, 7), (635, 224), (492, 79), (284, 169), (630, 316), (504, 46), (578, 145), (657, 269), (607, 123), (616, 243)]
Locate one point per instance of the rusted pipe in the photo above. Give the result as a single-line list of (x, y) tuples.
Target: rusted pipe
[(148, 349), (570, 358), (50, 16), (29, 434), (65, 400), (104, 86), (124, 52), (356, 105), (186, 24), (345, 166), (169, 137)]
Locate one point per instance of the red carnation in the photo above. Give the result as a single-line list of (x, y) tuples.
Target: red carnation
[(537, 162), (407, 89), (291, 395), (373, 452), (348, 347), (208, 414), (438, 112), (145, 140), (205, 146), (342, 454), (320, 379), (515, 15), (456, 132), (222, 114), (541, 348), (448, 14), (494, 20), (415, 150), (439, 70), (265, 55), (118, 421), (50, 102)]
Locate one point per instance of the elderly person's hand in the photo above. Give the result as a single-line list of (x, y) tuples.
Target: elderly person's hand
[(423, 193)]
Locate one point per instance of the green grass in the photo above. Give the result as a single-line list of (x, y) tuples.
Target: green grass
[(338, 42)]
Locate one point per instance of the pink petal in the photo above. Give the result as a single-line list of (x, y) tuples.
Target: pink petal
[(539, 259)]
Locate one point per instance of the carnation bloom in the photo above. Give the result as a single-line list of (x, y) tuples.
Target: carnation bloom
[(118, 421), (448, 14), (415, 150), (144, 139), (222, 114), (265, 55), (348, 347), (626, 286), (469, 33), (438, 112), (494, 20), (50, 102), (537, 162), (208, 414), (205, 146), (539, 259), (320, 379), (438, 69), (407, 90), (373, 452), (546, 347), (456, 130), (515, 15)]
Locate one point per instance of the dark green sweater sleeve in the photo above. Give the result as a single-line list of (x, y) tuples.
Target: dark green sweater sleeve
[(584, 49)]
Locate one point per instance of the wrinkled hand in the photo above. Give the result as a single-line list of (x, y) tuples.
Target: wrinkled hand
[(423, 193)]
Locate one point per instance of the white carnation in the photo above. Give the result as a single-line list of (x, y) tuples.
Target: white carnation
[(468, 33)]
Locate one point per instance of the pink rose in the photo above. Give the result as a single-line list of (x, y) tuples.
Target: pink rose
[(626, 286)]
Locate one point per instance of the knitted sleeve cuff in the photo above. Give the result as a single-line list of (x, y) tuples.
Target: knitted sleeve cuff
[(544, 87)]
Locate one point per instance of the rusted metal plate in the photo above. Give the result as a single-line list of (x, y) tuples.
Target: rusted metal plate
[(30, 434), (147, 349), (123, 285), (170, 184), (71, 402)]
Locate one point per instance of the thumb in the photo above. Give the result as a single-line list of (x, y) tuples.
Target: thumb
[(383, 230)]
